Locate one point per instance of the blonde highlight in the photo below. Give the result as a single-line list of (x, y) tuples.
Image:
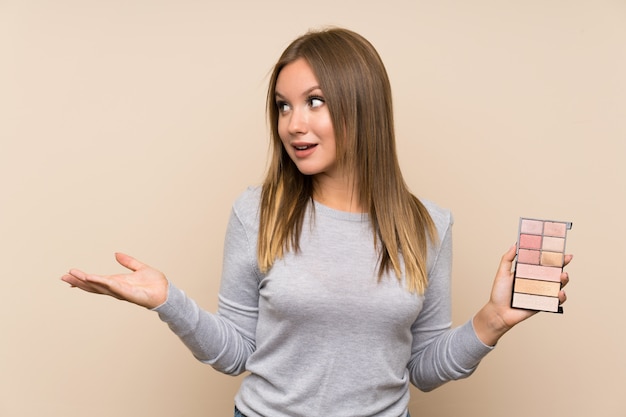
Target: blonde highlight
[(358, 95)]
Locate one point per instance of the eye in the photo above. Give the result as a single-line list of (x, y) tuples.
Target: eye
[(315, 101), (282, 106)]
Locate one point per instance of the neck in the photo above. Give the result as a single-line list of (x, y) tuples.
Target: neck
[(339, 194)]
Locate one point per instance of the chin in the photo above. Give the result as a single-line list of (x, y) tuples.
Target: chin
[(308, 173), (305, 170)]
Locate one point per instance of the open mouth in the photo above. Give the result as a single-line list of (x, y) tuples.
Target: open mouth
[(304, 147)]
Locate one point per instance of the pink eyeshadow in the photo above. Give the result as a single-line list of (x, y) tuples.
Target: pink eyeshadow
[(535, 302), (533, 227), (527, 256), (529, 242), (553, 244), (555, 229), (544, 273)]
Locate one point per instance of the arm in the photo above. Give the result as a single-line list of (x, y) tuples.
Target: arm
[(439, 353), (223, 340)]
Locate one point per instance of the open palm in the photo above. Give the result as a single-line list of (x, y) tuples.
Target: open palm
[(144, 286)]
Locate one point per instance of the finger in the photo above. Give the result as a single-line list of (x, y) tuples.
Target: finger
[(562, 297), (85, 284), (98, 280), (79, 279), (70, 279), (77, 273), (564, 279), (567, 259), (128, 261)]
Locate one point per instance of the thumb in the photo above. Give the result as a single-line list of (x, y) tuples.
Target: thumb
[(128, 261), (506, 263)]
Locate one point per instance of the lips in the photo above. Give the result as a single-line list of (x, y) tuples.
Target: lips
[(303, 150)]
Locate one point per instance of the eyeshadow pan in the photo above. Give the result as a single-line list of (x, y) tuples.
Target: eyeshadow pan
[(544, 273), (553, 244), (530, 241), (552, 259), (530, 226), (557, 229), (531, 286), (539, 264), (527, 256), (537, 302)]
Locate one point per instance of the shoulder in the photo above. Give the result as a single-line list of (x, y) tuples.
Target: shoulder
[(246, 206), (249, 198), (439, 253), (442, 217)]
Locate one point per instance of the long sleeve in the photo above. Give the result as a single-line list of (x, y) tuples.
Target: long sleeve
[(439, 353), (226, 339), (322, 321)]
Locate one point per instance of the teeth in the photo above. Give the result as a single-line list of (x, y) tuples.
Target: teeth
[(301, 148)]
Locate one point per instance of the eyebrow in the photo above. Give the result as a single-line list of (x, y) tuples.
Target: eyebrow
[(306, 93)]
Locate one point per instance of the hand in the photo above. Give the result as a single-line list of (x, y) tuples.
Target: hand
[(144, 286), (497, 316)]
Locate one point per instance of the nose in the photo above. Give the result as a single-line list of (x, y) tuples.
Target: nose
[(298, 122)]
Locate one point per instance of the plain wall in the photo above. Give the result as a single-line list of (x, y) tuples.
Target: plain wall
[(133, 125)]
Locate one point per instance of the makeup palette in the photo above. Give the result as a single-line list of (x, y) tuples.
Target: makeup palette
[(539, 263)]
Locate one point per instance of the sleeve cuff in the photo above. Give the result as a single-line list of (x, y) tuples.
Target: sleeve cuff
[(474, 350)]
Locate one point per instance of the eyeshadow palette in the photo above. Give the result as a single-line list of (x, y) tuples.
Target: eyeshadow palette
[(539, 263)]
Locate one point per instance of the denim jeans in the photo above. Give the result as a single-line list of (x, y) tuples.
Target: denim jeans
[(238, 413)]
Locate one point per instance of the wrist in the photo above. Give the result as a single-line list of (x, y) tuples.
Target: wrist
[(489, 325)]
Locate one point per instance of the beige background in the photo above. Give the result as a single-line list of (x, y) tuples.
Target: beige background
[(133, 125)]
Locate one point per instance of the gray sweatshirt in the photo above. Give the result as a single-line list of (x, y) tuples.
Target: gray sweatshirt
[(319, 334)]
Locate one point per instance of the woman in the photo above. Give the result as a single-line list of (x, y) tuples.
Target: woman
[(335, 291)]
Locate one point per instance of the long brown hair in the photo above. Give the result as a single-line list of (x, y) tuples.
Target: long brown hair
[(358, 95)]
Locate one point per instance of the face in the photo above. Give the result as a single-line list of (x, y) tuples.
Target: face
[(304, 124)]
